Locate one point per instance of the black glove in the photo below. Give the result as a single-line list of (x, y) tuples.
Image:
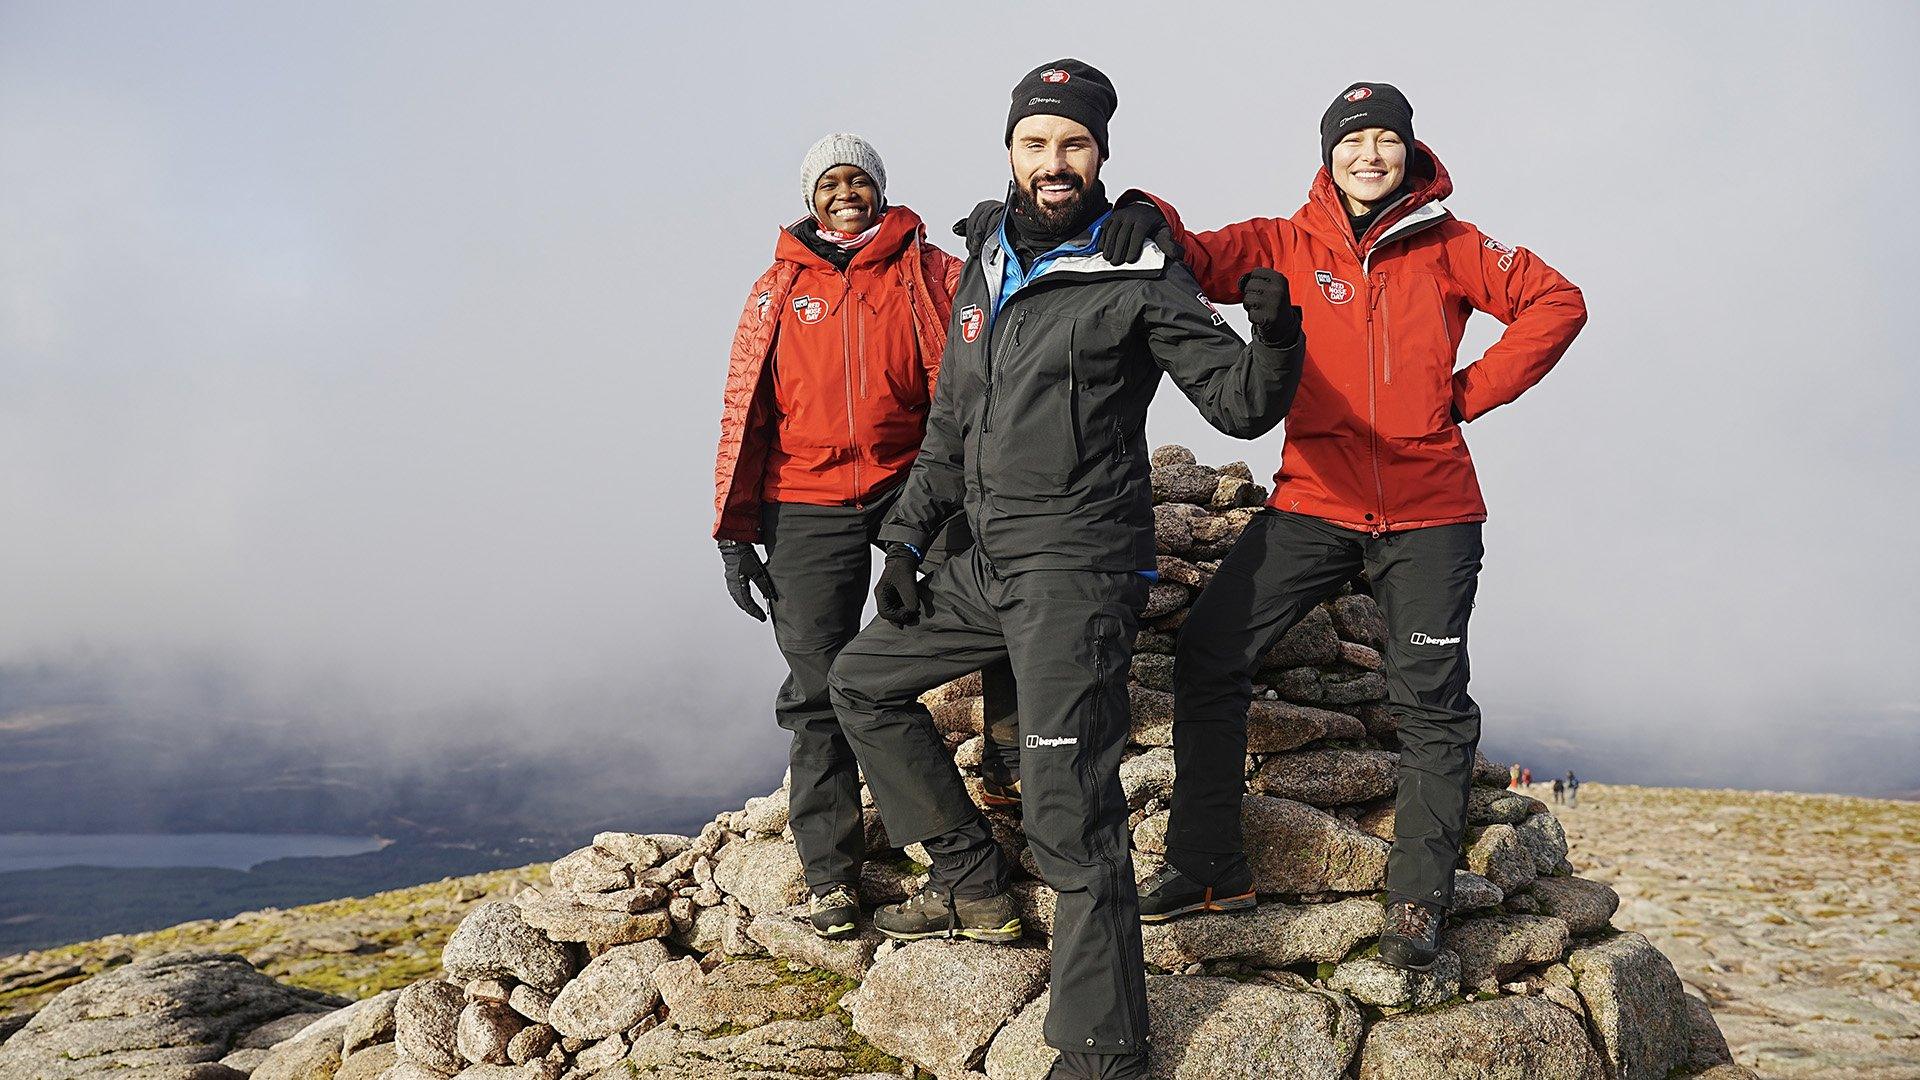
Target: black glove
[(1129, 228), (979, 225), (1270, 307), (743, 566), (897, 596)]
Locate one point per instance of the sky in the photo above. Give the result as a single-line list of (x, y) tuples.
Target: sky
[(370, 355)]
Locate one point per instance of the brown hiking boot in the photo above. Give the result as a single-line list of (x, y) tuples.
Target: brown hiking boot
[(1410, 937)]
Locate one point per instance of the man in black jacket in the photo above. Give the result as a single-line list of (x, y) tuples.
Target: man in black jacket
[(1037, 429)]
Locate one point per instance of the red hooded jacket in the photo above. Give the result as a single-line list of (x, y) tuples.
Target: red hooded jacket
[(831, 373), (1373, 439)]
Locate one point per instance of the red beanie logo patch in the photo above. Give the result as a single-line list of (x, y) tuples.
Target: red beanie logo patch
[(971, 319), (1359, 93), (1054, 75), (809, 308), (1336, 290)]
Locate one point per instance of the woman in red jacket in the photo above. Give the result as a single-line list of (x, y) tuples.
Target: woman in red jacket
[(833, 365), (1375, 478)]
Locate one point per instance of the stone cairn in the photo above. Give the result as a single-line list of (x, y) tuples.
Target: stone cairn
[(690, 957)]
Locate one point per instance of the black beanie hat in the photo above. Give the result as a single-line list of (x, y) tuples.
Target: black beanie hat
[(1366, 105), (1070, 88)]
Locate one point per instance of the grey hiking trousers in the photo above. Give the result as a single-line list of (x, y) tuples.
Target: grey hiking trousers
[(1069, 636)]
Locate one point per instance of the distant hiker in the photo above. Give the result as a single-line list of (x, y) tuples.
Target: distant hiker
[(1375, 475), (1513, 777), (833, 365), (1526, 778), (1559, 789), (1038, 430), (1573, 788)]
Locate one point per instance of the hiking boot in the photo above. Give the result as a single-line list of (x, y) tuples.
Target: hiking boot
[(934, 913), (1171, 893), (998, 793), (833, 912), (1410, 937), (1076, 1066)]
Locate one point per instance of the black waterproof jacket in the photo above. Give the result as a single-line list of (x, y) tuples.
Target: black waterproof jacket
[(1038, 424)]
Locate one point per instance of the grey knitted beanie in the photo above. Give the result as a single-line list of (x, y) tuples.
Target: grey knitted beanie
[(842, 149)]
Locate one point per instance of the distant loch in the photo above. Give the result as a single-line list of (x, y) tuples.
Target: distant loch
[(231, 851)]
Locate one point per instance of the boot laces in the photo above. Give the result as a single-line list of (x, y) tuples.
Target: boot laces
[(1414, 920), (1163, 877)]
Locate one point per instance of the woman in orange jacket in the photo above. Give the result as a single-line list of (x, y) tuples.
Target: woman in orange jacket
[(832, 368), (1375, 478)]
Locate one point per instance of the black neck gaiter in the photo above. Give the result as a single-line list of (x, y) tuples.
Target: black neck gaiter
[(1031, 238)]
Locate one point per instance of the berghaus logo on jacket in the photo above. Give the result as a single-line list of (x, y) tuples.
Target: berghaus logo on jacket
[(971, 320)]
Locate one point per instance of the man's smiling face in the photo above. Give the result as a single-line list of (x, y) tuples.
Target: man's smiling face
[(1056, 161)]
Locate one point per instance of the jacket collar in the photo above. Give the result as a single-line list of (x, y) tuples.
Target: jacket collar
[(899, 227)]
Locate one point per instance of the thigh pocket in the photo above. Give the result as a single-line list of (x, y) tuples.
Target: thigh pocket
[(1106, 701)]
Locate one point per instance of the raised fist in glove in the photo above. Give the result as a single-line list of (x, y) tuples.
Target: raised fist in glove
[(1270, 307), (897, 596), (743, 567)]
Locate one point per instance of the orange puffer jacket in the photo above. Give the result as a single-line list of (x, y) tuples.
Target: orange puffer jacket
[(831, 373), (1373, 439)]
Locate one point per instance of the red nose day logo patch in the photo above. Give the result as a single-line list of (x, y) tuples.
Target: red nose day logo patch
[(971, 319), (809, 308), (1054, 75), (1217, 317), (1336, 290), (1359, 93)]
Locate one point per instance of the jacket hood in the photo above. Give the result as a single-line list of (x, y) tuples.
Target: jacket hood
[(899, 228), (1427, 182)]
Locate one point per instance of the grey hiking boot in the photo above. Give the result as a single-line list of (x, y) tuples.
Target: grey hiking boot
[(1410, 936), (833, 913), (934, 913), (1171, 893)]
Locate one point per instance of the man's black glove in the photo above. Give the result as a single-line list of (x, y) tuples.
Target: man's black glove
[(1270, 307), (979, 225), (897, 596), (743, 566), (1129, 228)]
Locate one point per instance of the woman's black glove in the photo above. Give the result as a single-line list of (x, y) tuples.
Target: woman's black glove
[(979, 225), (743, 566), (1128, 229), (897, 597), (1270, 308)]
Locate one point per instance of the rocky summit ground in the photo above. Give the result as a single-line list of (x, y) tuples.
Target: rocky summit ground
[(1796, 916)]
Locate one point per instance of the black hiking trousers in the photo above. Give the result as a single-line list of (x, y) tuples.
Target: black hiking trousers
[(1069, 636), (1284, 564), (820, 558)]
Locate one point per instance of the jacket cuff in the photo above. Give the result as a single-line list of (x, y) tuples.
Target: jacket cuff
[(737, 527), (1462, 412), (918, 539), (1299, 333)]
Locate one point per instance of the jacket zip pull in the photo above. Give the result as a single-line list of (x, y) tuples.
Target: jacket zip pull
[(1017, 323)]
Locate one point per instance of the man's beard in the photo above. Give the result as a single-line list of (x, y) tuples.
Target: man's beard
[(1059, 220)]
